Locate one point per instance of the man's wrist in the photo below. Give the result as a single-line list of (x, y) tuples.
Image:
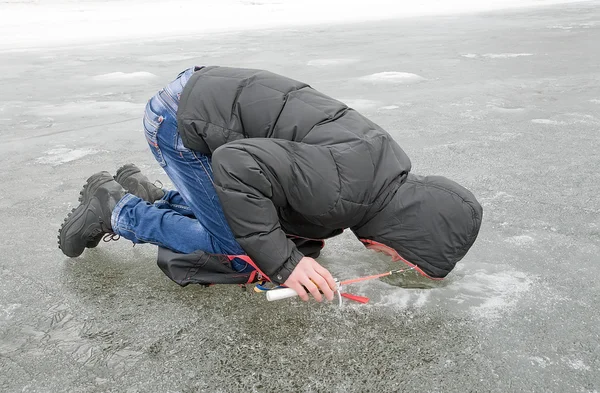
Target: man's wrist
[(282, 274)]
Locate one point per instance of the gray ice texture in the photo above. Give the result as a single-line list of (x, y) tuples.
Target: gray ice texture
[(506, 103)]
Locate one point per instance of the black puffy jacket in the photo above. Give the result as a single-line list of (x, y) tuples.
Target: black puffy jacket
[(288, 159)]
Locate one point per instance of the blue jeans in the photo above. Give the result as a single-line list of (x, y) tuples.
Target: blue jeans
[(190, 218)]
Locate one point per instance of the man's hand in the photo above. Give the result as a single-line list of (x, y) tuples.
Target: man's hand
[(309, 275)]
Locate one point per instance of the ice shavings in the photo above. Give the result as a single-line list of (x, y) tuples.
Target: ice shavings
[(495, 292), (393, 77), (63, 155), (481, 294), (389, 107), (576, 364)]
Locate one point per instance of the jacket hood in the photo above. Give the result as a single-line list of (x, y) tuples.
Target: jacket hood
[(430, 222)]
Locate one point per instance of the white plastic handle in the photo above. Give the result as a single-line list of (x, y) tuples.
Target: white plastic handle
[(282, 293)]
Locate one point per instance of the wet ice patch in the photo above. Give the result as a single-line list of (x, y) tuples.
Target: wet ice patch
[(496, 55), (393, 77), (124, 77), (63, 155), (491, 294), (330, 62), (481, 294), (488, 292)]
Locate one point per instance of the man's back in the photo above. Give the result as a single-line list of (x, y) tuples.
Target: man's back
[(289, 159), (350, 160)]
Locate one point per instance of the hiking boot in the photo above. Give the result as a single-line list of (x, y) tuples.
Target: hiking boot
[(93, 243), (131, 178), (89, 221)]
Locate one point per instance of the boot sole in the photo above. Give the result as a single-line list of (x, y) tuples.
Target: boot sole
[(85, 196)]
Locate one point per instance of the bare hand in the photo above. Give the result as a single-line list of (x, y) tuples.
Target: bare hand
[(310, 275)]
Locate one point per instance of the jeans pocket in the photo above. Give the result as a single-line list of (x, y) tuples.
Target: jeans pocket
[(179, 143), (152, 123)]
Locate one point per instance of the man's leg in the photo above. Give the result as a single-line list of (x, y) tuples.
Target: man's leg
[(179, 230), (108, 209), (190, 172), (131, 178), (165, 222), (141, 222)]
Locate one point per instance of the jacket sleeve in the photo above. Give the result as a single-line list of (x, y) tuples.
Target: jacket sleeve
[(256, 177)]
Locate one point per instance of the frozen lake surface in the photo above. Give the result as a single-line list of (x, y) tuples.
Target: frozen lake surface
[(44, 23), (506, 103)]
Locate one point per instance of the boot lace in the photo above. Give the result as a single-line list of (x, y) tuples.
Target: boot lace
[(111, 237)]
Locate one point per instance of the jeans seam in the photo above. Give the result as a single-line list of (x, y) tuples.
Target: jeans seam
[(184, 207), (143, 240)]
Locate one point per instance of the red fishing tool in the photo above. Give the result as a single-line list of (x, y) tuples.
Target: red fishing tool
[(279, 293)]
